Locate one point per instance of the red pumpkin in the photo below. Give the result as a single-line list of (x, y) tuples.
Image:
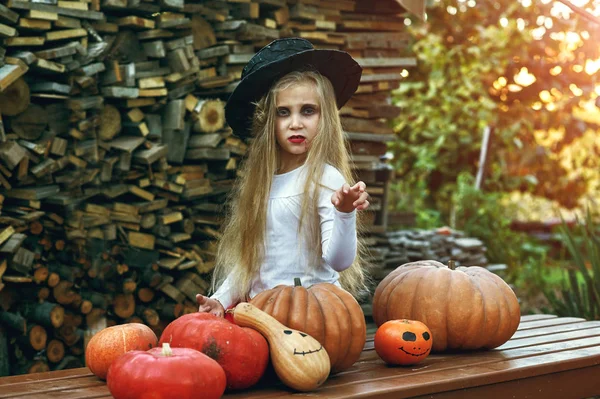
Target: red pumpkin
[(164, 373), (242, 352), (111, 342), (403, 342)]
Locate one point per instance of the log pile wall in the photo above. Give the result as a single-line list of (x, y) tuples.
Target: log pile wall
[(115, 159)]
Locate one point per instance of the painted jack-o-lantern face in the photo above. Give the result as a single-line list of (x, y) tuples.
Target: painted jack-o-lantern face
[(403, 341), (303, 347)]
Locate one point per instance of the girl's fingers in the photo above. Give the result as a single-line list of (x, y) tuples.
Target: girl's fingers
[(335, 198), (345, 188), (360, 187), (200, 299), (361, 199), (363, 206)]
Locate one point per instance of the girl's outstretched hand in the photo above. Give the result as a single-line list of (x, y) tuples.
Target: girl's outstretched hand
[(346, 199), (209, 305)]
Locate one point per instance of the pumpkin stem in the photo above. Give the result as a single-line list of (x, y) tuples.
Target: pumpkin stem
[(297, 282), (166, 349), (452, 264)]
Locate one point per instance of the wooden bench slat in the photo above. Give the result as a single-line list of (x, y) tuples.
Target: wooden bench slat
[(100, 391), (47, 376), (552, 329), (536, 317), (45, 387), (558, 337), (547, 386), (549, 322)]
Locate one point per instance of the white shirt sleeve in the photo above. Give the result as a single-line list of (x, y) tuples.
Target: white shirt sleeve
[(223, 293), (338, 229), (338, 239)]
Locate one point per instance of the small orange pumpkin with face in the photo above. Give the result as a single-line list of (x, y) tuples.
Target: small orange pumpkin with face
[(403, 342)]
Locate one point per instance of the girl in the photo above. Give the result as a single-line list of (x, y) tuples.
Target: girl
[(292, 213)]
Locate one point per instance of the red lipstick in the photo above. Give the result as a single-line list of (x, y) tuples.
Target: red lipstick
[(296, 139)]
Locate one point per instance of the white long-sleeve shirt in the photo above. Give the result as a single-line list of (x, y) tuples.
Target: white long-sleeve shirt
[(286, 256)]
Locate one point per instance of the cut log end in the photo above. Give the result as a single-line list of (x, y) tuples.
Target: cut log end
[(211, 116), (57, 316), (110, 123), (124, 305), (37, 337), (15, 99), (55, 351), (37, 366)]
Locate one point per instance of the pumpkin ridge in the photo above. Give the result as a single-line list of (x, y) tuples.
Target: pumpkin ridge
[(298, 308), (260, 299), (358, 329), (394, 284), (420, 312), (383, 292), (124, 341), (500, 334), (497, 320), (417, 286), (343, 347), (319, 325), (270, 303), (481, 342), (472, 323), (332, 330), (407, 306), (449, 285), (281, 308)]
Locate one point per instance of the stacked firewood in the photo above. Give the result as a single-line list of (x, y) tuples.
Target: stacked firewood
[(114, 172), (115, 159)]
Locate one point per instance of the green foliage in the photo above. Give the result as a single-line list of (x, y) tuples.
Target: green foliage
[(579, 283), (480, 214), (454, 94)]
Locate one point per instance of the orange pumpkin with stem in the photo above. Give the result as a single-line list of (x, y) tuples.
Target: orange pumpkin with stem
[(324, 311), (110, 343)]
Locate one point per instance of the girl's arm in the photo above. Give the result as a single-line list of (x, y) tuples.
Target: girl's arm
[(337, 213), (223, 294), (338, 236)]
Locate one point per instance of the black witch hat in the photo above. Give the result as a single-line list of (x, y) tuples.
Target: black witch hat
[(279, 58)]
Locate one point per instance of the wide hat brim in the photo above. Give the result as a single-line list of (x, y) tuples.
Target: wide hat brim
[(338, 66)]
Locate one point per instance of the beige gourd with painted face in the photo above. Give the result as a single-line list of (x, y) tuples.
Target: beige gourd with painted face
[(299, 360)]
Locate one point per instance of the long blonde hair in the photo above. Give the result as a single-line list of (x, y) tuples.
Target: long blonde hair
[(240, 250)]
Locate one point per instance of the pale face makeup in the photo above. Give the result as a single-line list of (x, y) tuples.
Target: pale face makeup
[(297, 122)]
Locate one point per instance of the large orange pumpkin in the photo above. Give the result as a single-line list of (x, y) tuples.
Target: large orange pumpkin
[(465, 308), (324, 311), (110, 343)]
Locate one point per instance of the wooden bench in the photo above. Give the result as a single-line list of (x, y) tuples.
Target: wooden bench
[(548, 357)]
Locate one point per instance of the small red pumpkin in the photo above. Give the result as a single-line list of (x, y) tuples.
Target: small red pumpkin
[(403, 342), (110, 343), (242, 352), (178, 373)]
